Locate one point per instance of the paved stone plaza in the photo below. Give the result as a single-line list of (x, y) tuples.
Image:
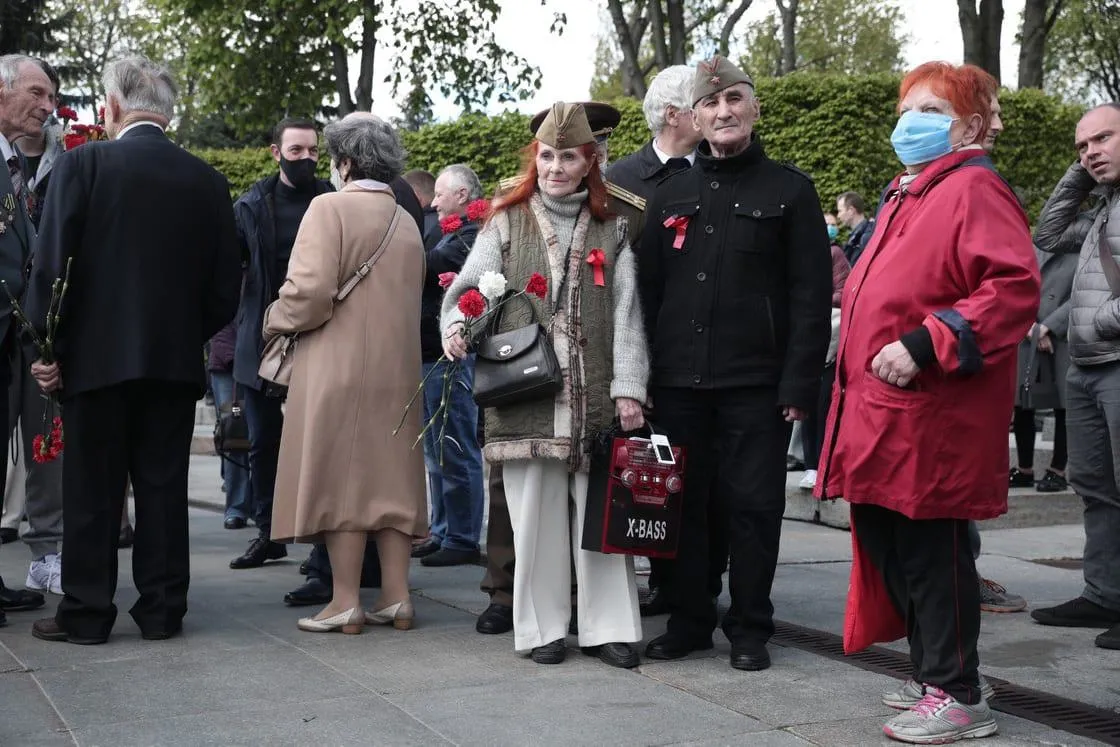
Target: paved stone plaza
[(244, 675)]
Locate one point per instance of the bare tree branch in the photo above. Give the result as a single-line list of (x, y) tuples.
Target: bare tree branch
[(729, 26)]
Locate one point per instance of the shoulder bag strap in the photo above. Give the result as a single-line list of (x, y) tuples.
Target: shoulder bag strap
[(1108, 262), (364, 267)]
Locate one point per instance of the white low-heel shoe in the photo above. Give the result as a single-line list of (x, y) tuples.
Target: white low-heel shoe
[(349, 622), (400, 615)]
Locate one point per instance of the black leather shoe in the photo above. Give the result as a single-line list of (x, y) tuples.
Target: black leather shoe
[(19, 600), (669, 646), (303, 567), (656, 604), (235, 522), (621, 655), (312, 592), (550, 653), (497, 619), (7, 535), (425, 548), (1077, 613), (160, 635), (445, 557), (1110, 638), (47, 630), (1020, 479), (1052, 482), (751, 657), (128, 536), (259, 551)]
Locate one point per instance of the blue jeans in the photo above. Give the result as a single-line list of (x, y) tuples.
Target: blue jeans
[(456, 486), (235, 474), (266, 421)]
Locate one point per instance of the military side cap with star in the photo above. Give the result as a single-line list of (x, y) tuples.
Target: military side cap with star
[(601, 118), (565, 126), (714, 75)]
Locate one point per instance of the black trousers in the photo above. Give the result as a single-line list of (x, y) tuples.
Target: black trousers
[(812, 429), (1025, 435), (930, 575), (736, 446), (319, 566), (661, 569), (139, 429)]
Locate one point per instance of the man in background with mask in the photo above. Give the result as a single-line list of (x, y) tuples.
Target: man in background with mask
[(268, 218)]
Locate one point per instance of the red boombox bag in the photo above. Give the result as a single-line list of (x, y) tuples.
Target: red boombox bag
[(634, 496)]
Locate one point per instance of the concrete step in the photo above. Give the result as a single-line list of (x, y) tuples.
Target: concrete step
[(204, 414), (1025, 508)]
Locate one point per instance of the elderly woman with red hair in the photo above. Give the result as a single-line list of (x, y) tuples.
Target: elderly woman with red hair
[(917, 435), (554, 222)]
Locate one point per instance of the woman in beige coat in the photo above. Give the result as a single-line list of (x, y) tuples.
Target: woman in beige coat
[(342, 473)]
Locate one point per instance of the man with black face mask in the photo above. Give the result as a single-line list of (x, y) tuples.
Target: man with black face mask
[(268, 218)]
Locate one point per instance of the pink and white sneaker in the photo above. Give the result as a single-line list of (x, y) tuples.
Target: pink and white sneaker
[(938, 718)]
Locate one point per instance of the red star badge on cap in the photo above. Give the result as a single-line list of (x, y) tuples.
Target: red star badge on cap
[(714, 80)]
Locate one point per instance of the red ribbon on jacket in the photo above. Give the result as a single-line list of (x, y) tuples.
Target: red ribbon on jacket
[(680, 223), (597, 259)]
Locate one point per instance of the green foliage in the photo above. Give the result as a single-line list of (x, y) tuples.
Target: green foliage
[(1083, 52), (835, 128), (834, 36)]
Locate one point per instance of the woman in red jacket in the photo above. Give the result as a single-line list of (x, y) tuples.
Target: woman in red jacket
[(917, 434)]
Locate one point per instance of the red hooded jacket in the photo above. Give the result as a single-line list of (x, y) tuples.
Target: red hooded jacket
[(951, 252)]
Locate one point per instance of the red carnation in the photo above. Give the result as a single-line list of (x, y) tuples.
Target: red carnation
[(472, 304), (446, 279), (451, 224), (67, 113), (72, 141), (537, 286), (478, 209), (101, 114)]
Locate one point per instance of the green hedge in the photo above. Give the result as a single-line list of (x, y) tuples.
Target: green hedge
[(835, 128)]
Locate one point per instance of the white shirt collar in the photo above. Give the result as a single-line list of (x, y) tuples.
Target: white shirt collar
[(134, 125), (6, 150), (664, 157), (371, 184)]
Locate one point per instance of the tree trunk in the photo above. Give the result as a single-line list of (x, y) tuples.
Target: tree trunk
[(787, 9), (657, 32), (981, 31), (678, 36), (364, 91), (342, 79), (1038, 19), (632, 81)]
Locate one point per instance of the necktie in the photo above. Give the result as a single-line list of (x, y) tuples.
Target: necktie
[(17, 176), (673, 165)]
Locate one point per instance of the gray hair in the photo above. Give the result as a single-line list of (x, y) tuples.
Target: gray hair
[(140, 85), (462, 175), (371, 145), (672, 87), (10, 65)]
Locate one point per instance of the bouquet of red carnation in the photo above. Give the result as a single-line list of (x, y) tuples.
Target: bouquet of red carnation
[(79, 134), (477, 304), (48, 444)]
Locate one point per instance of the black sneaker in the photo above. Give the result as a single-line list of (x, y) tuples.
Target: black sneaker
[(260, 550), (1052, 482), (1020, 479)]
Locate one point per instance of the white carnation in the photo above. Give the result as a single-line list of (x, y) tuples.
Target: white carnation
[(492, 285)]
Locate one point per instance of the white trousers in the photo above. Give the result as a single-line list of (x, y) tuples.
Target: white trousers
[(546, 535)]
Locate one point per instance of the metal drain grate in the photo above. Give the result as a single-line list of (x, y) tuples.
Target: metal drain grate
[(1034, 705)]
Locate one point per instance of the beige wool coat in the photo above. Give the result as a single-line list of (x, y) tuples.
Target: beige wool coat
[(355, 367)]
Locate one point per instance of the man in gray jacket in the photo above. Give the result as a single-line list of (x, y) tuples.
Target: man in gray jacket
[(1093, 384)]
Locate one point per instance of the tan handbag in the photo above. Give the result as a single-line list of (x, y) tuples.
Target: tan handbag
[(279, 352)]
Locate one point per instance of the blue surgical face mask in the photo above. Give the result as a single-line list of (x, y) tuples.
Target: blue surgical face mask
[(833, 231), (921, 137)]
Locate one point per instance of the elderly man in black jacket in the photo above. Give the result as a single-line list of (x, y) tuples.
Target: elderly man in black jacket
[(735, 275), (155, 273), (455, 475)]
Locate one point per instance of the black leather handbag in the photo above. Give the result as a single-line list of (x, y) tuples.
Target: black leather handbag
[(519, 365), (1039, 388), (231, 432), (516, 366)]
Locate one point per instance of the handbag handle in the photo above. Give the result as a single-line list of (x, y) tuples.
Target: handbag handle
[(365, 267)]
